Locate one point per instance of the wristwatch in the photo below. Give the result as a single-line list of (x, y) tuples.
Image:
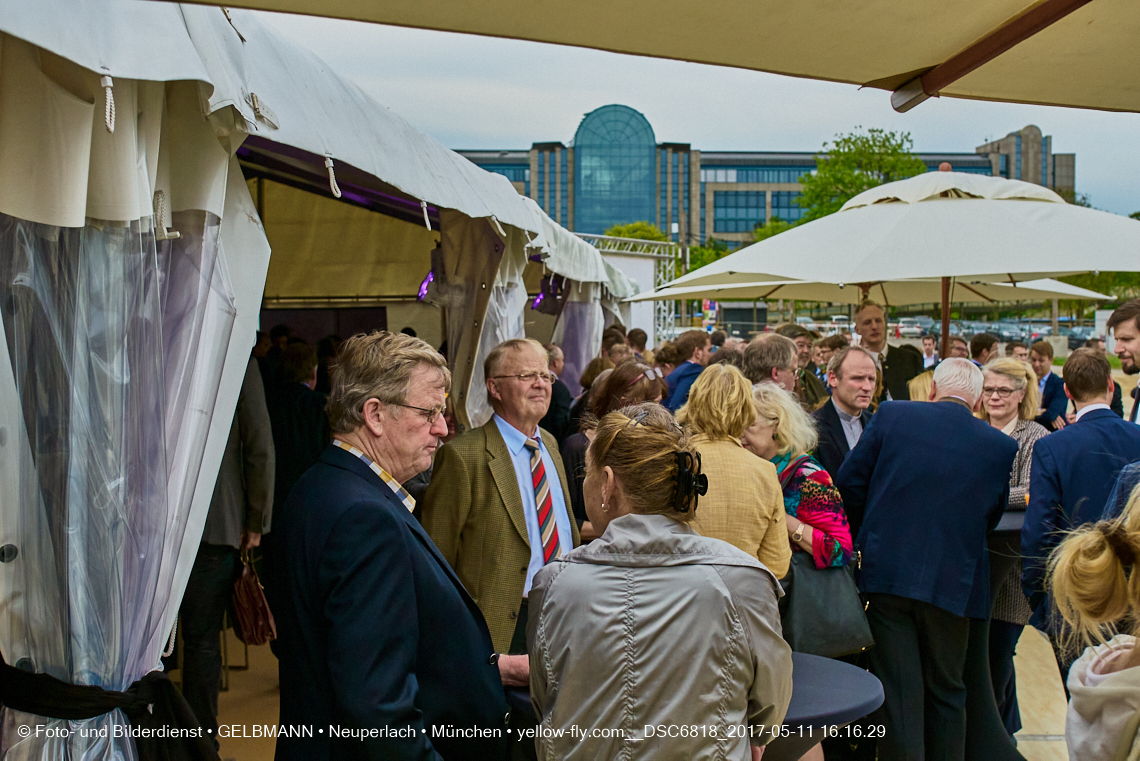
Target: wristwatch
[(799, 532)]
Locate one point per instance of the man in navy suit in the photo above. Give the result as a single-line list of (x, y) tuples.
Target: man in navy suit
[(1053, 399), (851, 373), (923, 486), (382, 651), (694, 347), (1072, 474)]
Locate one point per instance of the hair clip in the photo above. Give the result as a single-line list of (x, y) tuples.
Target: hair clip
[(651, 374), (637, 418), (691, 482)]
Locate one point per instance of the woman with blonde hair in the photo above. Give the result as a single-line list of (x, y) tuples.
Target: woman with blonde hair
[(743, 506), (1095, 586), (653, 624), (1009, 403), (784, 434)]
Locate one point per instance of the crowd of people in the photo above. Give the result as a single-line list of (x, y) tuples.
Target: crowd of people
[(624, 554)]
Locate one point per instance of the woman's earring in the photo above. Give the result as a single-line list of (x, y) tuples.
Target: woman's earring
[(604, 508)]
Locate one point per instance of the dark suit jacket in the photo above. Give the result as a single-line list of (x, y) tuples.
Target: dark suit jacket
[(832, 448), (300, 433), (1072, 474), (1053, 401), (923, 486), (900, 365), (557, 420), (374, 629), (679, 383)]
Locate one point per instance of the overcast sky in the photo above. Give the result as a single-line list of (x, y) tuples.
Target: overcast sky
[(480, 92)]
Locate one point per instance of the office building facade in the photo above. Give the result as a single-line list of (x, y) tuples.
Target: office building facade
[(615, 172)]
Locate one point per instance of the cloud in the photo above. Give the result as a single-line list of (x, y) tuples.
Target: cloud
[(479, 92)]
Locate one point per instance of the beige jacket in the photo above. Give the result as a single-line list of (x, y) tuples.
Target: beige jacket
[(744, 505), (655, 625)]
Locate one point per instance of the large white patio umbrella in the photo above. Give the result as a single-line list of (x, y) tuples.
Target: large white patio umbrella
[(938, 225), (894, 292)]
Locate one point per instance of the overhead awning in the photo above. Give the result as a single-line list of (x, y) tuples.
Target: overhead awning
[(1051, 52)]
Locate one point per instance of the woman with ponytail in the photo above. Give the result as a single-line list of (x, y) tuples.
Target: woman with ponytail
[(653, 624), (1097, 590)]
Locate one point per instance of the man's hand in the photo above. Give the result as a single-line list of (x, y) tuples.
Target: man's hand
[(758, 752), (1059, 423), (249, 540), (514, 670)]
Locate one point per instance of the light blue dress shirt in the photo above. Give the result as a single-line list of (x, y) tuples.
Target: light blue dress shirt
[(520, 458)]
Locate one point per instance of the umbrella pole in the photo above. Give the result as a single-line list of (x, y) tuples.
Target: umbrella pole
[(945, 317)]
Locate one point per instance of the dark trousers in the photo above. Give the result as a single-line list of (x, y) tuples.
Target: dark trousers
[(522, 750), (920, 657), (208, 593), (1003, 647)]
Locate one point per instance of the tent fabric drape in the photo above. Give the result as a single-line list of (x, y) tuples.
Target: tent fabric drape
[(579, 332), (114, 400)]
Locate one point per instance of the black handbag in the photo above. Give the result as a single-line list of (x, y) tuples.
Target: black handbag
[(821, 611)]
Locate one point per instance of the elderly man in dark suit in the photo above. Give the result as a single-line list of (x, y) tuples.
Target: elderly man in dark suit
[(852, 375), (377, 637), (925, 567), (239, 514), (1072, 474), (557, 418), (897, 364)]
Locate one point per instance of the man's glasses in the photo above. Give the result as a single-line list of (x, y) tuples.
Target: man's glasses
[(1004, 393), (530, 378), (431, 415)]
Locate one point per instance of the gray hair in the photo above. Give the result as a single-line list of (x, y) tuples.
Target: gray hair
[(959, 377), (379, 366), (766, 353)]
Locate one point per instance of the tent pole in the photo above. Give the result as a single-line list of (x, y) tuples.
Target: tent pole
[(945, 318)]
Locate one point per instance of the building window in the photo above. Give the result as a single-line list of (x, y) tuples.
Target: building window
[(756, 174), (785, 206), (513, 172), (737, 211), (613, 169), (1017, 159)]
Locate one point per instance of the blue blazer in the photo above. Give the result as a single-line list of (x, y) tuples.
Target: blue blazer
[(1053, 401), (374, 630), (1072, 474), (922, 488), (679, 382)]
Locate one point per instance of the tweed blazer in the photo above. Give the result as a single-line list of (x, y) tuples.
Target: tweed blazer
[(744, 505), (473, 511)]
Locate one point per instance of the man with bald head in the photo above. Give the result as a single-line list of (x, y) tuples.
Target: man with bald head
[(497, 506)]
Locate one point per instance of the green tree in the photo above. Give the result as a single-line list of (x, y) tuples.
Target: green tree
[(775, 226), (854, 163), (639, 230), (712, 250), (1073, 197), (1134, 215)]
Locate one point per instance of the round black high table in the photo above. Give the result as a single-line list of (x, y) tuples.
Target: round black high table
[(825, 694)]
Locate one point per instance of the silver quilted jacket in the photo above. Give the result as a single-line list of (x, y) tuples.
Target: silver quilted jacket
[(656, 642)]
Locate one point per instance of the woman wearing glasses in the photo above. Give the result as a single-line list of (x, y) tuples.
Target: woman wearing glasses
[(1009, 403), (654, 641), (631, 382)]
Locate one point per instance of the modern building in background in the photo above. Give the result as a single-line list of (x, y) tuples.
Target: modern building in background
[(615, 172)]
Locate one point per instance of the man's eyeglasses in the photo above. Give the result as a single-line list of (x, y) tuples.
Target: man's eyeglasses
[(530, 378), (1004, 393), (431, 415)]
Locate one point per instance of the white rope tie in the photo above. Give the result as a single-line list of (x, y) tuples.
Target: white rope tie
[(109, 115), (160, 230), (498, 227), (170, 645), (332, 177), (427, 221)]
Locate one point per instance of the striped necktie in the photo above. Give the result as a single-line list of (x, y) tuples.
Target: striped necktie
[(547, 527)]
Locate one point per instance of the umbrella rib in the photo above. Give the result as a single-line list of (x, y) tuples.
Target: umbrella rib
[(769, 293), (977, 293)]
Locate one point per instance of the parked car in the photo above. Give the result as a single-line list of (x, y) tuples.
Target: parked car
[(1040, 332), (925, 322), (909, 327)]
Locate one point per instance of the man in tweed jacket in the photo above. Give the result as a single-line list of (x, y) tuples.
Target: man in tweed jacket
[(481, 508)]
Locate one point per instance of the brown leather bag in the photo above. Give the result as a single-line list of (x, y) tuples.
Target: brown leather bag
[(254, 624)]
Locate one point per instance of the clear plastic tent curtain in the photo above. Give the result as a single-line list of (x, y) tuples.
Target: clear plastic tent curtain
[(579, 332), (114, 343)]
